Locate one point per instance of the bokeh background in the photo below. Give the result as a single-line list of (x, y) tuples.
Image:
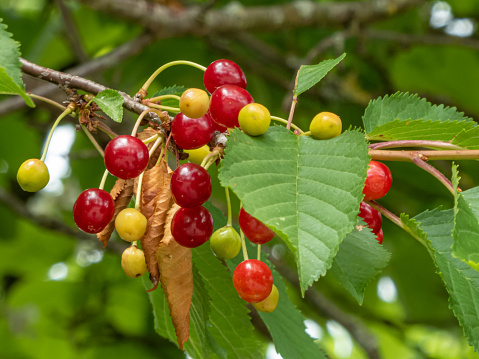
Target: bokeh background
[(63, 296)]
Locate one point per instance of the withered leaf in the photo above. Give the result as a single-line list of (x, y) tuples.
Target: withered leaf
[(155, 202), (121, 193), (176, 277)]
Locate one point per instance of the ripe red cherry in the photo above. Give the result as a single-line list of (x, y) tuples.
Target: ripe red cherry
[(371, 216), (93, 210), (191, 227), (254, 229), (126, 157), (223, 72), (379, 237), (253, 280), (378, 181), (191, 133), (226, 103), (190, 185)]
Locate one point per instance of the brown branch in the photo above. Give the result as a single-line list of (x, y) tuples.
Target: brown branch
[(234, 17), (111, 59)]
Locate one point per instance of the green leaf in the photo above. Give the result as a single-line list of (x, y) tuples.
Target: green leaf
[(11, 82), (310, 75), (359, 260), (111, 102), (462, 282), (403, 108), (466, 223), (309, 192), (468, 138)]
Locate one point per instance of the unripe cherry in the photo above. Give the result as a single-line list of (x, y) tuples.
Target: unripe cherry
[(133, 262)]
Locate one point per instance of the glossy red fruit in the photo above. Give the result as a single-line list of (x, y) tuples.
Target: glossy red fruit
[(191, 227), (253, 280), (126, 157), (223, 72), (254, 229), (371, 216), (226, 103), (379, 237), (93, 210), (378, 181), (190, 185), (191, 133)]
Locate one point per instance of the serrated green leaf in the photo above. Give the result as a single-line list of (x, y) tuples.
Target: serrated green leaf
[(468, 138), (359, 260), (309, 192), (111, 102), (462, 282), (466, 223), (406, 108), (310, 75), (419, 130), (9, 87)]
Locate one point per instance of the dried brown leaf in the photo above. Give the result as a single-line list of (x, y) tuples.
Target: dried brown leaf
[(176, 277), (121, 193)]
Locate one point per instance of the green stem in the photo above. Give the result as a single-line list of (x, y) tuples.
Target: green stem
[(164, 97), (93, 141), (103, 179), (67, 111), (47, 100), (291, 112), (147, 84), (228, 203), (279, 119), (165, 108)]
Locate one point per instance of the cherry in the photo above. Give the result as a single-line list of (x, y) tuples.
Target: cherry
[(190, 133), (93, 210), (254, 229), (254, 119), (190, 185), (33, 175), (269, 304), (191, 227), (198, 154), (130, 224), (226, 103), (194, 103), (253, 280), (133, 262), (325, 125), (126, 157), (378, 181), (225, 243), (371, 216), (379, 236), (223, 72)]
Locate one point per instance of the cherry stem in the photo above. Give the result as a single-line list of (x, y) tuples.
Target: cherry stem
[(415, 143), (259, 252), (142, 115), (164, 97), (144, 88), (165, 108), (93, 141), (435, 172), (47, 100), (291, 112), (103, 179), (138, 191), (279, 119), (228, 204), (243, 242), (396, 220), (67, 111)]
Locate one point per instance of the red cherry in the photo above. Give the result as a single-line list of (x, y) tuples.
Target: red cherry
[(192, 133), (191, 227), (226, 103), (223, 72), (378, 181), (379, 236), (126, 157), (254, 229), (190, 185), (93, 210), (253, 280), (371, 216)]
